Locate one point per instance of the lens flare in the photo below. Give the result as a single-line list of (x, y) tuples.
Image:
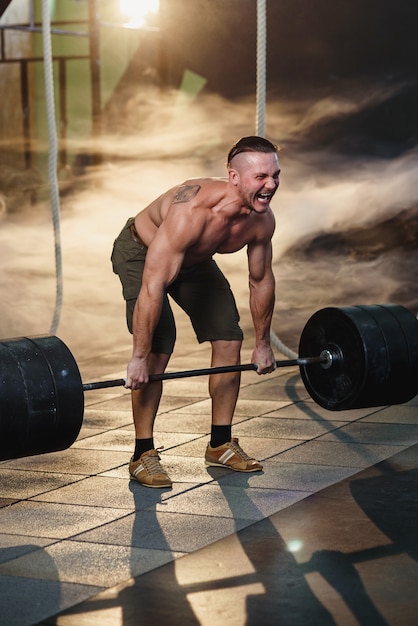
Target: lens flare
[(294, 545), (137, 11)]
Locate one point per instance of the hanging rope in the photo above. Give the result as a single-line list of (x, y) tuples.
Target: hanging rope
[(261, 66), (260, 119), (52, 159)]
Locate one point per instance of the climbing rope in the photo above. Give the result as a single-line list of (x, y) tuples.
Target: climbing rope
[(52, 159), (260, 120), (261, 66)]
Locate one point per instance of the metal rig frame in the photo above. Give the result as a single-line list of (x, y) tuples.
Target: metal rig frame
[(90, 28)]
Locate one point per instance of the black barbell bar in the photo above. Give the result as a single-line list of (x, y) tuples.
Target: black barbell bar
[(325, 358)]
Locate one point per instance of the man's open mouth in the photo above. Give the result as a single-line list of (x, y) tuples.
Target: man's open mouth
[(264, 197)]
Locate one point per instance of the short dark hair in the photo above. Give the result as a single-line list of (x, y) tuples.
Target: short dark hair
[(251, 144)]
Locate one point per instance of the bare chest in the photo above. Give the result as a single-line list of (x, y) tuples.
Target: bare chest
[(221, 239)]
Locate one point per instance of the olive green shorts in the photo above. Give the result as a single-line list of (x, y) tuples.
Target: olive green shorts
[(202, 291)]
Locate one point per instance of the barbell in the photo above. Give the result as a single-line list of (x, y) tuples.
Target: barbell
[(349, 357)]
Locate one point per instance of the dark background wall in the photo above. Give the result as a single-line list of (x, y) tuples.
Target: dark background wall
[(308, 40)]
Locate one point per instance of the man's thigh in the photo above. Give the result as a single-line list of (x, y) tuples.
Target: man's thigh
[(205, 295)]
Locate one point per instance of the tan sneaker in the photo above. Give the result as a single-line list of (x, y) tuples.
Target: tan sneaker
[(148, 471), (233, 456)]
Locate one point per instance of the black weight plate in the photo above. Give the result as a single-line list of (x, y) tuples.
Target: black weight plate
[(42, 402), (377, 362), (68, 389), (337, 387), (399, 328), (13, 405)]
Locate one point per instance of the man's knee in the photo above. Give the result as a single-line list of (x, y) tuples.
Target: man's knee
[(228, 350)]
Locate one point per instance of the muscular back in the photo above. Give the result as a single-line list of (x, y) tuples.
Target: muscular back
[(204, 215), (150, 219)]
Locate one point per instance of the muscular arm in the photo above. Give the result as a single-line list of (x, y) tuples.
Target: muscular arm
[(162, 265), (163, 262), (262, 298)]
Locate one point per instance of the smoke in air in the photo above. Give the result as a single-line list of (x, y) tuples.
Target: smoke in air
[(347, 224)]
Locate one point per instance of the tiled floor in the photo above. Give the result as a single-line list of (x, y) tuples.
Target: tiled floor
[(326, 534)]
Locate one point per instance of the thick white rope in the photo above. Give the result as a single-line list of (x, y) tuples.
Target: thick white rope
[(261, 80), (261, 66), (52, 159), (281, 347)]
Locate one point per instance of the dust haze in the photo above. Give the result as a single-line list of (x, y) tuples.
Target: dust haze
[(347, 220)]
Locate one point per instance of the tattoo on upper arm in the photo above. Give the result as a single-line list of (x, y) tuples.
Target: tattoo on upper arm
[(185, 193)]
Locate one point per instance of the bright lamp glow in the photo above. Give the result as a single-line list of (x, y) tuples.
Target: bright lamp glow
[(294, 545), (136, 11)]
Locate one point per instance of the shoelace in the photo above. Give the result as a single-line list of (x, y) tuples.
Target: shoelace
[(151, 462), (238, 450)]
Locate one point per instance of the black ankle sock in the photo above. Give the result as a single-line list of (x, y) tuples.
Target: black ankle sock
[(219, 435), (141, 446)]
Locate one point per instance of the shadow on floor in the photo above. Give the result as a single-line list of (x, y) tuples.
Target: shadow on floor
[(370, 520)]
